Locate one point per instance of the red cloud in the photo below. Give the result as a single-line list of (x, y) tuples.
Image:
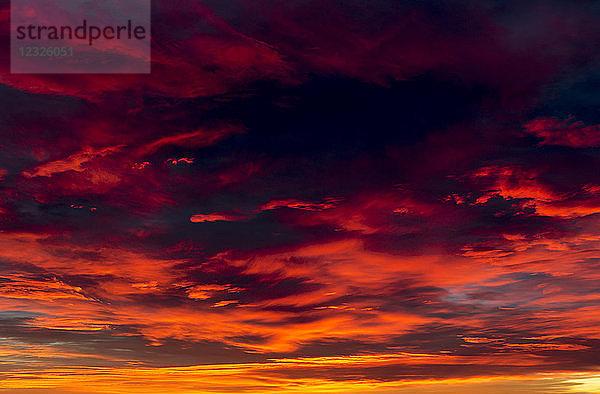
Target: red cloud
[(566, 133), (185, 160), (303, 205), (217, 217), (513, 182), (194, 139)]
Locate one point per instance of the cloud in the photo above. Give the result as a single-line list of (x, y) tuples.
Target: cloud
[(75, 162), (309, 196), (527, 186), (218, 216), (194, 139), (295, 204), (569, 132)]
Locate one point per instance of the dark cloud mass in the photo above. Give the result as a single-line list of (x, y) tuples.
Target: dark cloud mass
[(316, 196)]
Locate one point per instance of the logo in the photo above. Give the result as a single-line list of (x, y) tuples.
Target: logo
[(80, 36)]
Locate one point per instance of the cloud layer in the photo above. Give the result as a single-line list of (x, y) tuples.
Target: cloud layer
[(313, 196)]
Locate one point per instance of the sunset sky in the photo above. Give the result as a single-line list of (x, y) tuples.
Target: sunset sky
[(310, 196)]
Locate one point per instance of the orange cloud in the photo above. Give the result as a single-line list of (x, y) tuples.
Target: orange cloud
[(75, 162), (520, 183), (303, 205), (271, 377), (217, 217)]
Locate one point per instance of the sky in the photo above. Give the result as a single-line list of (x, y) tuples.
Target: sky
[(310, 196)]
